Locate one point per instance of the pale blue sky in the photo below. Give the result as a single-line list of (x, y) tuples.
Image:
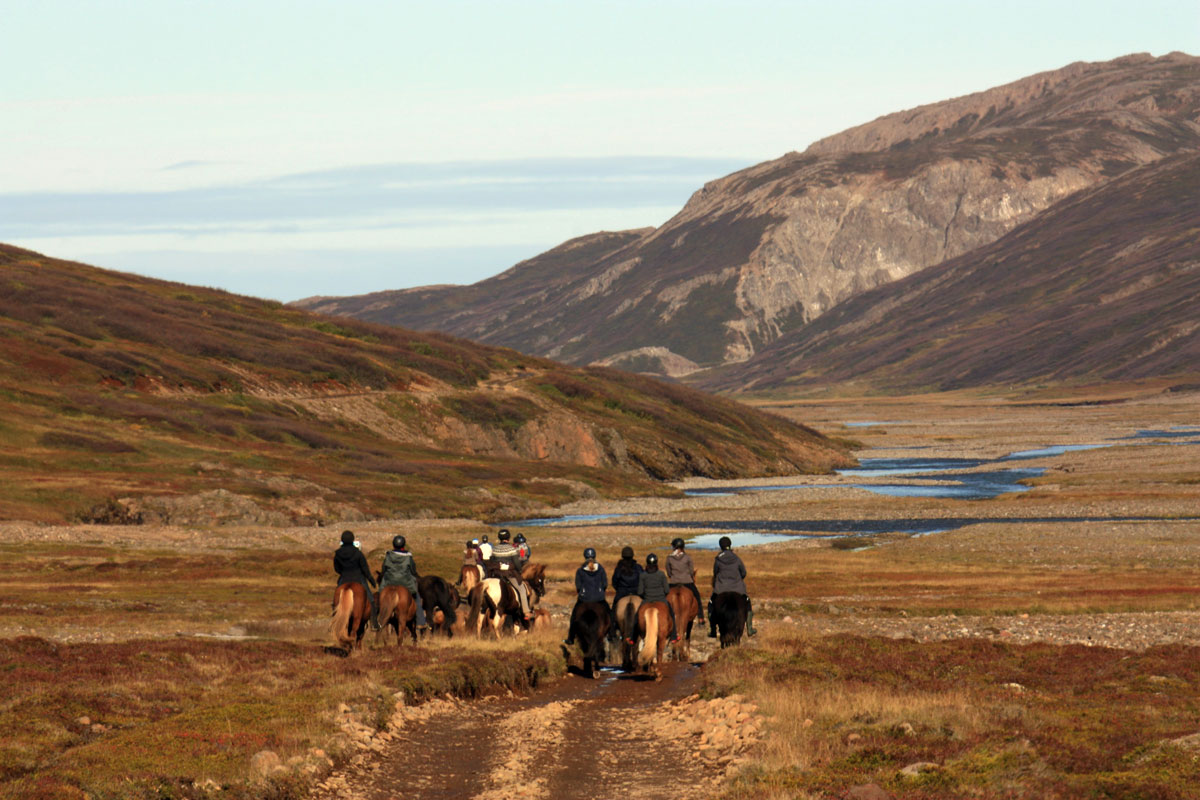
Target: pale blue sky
[(285, 149)]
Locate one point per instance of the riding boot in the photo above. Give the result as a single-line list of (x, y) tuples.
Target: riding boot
[(750, 631), (712, 624)]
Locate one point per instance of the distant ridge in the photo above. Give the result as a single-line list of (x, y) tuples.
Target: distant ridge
[(769, 249)]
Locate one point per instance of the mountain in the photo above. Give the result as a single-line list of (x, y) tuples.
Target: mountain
[(126, 398), (1103, 286), (771, 248)]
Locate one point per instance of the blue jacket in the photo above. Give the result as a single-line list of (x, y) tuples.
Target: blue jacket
[(625, 577), (591, 585)]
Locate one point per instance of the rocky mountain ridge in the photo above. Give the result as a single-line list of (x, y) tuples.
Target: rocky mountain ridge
[(771, 248)]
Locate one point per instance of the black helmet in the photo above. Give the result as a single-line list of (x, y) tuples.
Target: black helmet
[(484, 539), (520, 538), (651, 560), (677, 543), (724, 543), (503, 536), (626, 552), (471, 542), (398, 542), (589, 553), (347, 537)]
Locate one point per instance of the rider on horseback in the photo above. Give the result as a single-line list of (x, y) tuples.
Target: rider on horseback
[(506, 563), (485, 549), (352, 567), (399, 569), (590, 583), (682, 572), (473, 558), (524, 551), (729, 575), (625, 582), (653, 588)]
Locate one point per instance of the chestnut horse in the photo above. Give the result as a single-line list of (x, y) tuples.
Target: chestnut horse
[(534, 578), (654, 625), (627, 625), (686, 609), (398, 610), (350, 612)]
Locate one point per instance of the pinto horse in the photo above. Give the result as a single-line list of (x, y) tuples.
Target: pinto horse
[(438, 595), (350, 612), (654, 625), (729, 616), (627, 625), (495, 601), (681, 599), (398, 610), (591, 623)]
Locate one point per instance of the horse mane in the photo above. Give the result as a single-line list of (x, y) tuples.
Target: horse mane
[(532, 572)]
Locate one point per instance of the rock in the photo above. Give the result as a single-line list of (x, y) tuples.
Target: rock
[(264, 763), (905, 729), (97, 727), (919, 768), (853, 738), (84, 721), (869, 791), (343, 708)]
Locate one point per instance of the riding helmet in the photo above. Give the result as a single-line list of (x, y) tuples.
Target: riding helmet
[(347, 537), (651, 560), (485, 538), (520, 538), (724, 543), (503, 536), (398, 543), (627, 552), (677, 543), (589, 553), (475, 542)]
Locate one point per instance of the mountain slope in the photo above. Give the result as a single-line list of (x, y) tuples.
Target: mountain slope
[(201, 405), (771, 248), (1104, 286)]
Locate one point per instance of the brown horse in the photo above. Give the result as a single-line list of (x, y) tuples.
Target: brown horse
[(534, 577), (654, 625), (469, 578), (398, 610), (686, 609), (350, 611), (627, 625)]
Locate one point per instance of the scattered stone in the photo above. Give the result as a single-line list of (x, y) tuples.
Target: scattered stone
[(905, 729), (84, 721), (854, 738), (919, 768), (264, 763)]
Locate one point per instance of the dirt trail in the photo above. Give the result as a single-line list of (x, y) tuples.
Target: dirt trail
[(578, 738)]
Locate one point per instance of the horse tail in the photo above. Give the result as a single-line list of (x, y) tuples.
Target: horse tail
[(629, 623), (476, 607), (650, 641), (341, 615)]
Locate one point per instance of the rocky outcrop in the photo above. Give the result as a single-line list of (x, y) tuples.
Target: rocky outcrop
[(771, 248)]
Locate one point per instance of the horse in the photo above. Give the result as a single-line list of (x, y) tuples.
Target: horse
[(397, 609), (438, 595), (534, 578), (591, 624), (541, 621), (351, 610), (469, 577), (626, 613), (729, 616), (654, 625), (681, 599), (495, 601)]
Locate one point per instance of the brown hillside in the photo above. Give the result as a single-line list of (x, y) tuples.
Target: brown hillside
[(198, 406), (773, 247), (1104, 286)]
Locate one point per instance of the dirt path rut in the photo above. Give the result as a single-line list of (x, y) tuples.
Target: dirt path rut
[(615, 736)]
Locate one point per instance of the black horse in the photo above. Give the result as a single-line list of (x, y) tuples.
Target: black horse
[(729, 616), (438, 594), (590, 625)]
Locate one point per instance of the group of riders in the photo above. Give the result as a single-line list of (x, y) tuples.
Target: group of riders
[(507, 557)]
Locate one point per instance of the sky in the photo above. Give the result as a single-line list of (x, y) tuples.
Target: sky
[(300, 148)]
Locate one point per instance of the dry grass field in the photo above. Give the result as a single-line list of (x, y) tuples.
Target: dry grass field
[(1044, 645)]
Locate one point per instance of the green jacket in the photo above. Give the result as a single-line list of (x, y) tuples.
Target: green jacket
[(399, 569)]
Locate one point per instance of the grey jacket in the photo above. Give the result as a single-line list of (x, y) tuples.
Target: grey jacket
[(680, 569), (652, 587), (728, 573)]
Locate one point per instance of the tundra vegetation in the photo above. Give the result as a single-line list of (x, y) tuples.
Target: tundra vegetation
[(1048, 649)]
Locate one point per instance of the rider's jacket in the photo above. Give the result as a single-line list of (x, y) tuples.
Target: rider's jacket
[(399, 569), (505, 562), (680, 568), (625, 577), (590, 584), (472, 557), (652, 587), (351, 566), (728, 572)]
